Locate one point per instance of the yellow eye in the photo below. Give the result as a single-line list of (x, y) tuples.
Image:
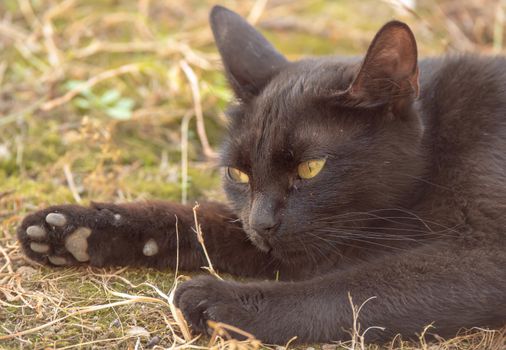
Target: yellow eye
[(310, 168), (237, 175)]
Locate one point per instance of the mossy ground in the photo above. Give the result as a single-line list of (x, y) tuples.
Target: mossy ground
[(93, 103)]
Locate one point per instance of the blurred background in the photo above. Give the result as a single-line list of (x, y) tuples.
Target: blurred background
[(99, 98), (119, 100)]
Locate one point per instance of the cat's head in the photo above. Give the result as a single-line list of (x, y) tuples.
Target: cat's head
[(312, 141)]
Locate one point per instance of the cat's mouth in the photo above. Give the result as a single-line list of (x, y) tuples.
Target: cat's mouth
[(278, 249), (259, 241)]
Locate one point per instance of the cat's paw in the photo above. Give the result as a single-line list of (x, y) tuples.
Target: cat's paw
[(206, 298), (57, 235)]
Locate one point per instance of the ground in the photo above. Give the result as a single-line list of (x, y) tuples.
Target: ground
[(121, 100)]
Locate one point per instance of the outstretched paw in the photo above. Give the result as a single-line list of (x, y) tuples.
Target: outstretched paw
[(58, 235), (206, 298)]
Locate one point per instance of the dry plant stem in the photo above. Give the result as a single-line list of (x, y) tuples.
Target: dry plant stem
[(15, 33), (169, 48), (85, 311), (8, 263), (184, 156), (419, 18), (358, 339), (52, 50), (197, 105), (290, 341), (180, 320), (461, 42), (176, 313), (128, 68), (30, 57), (70, 181), (54, 55), (112, 47), (59, 9), (256, 11), (423, 342), (27, 10), (499, 26), (220, 329), (200, 237), (3, 68), (177, 251), (16, 116), (144, 6), (46, 27), (81, 345)]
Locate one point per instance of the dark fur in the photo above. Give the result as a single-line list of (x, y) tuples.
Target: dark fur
[(409, 208)]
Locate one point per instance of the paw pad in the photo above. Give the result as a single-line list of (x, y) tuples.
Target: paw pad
[(57, 260), (39, 247), (150, 248), (56, 219), (77, 244), (35, 232)]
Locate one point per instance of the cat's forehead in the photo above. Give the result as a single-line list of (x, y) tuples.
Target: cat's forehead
[(289, 109), (286, 121), (309, 78)]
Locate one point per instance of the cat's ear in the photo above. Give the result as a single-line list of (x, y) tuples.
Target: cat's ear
[(389, 71), (250, 60)]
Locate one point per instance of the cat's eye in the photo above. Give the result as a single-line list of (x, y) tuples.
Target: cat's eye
[(237, 176), (310, 168)]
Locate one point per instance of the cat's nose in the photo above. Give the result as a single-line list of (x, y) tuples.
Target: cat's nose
[(264, 224), (263, 217)]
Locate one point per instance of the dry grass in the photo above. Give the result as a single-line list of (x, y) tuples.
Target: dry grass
[(122, 100)]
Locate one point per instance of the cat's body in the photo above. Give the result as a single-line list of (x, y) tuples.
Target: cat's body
[(408, 205)]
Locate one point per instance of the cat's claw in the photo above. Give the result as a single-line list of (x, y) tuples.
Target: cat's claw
[(206, 298)]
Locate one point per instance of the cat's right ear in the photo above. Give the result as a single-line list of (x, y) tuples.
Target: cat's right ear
[(250, 60)]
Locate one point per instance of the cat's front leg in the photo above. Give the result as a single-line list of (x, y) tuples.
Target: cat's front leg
[(448, 288), (273, 312), (142, 234)]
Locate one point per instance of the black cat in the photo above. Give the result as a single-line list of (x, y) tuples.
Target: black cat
[(374, 177)]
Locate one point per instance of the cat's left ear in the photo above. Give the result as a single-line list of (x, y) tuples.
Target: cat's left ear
[(389, 71)]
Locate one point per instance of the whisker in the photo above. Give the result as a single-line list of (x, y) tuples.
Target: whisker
[(384, 231), (372, 216), (364, 235), (356, 239)]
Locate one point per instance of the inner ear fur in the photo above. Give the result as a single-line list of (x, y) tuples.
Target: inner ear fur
[(389, 71)]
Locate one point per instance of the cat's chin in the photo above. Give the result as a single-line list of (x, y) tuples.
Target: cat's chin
[(276, 249), (259, 242)]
